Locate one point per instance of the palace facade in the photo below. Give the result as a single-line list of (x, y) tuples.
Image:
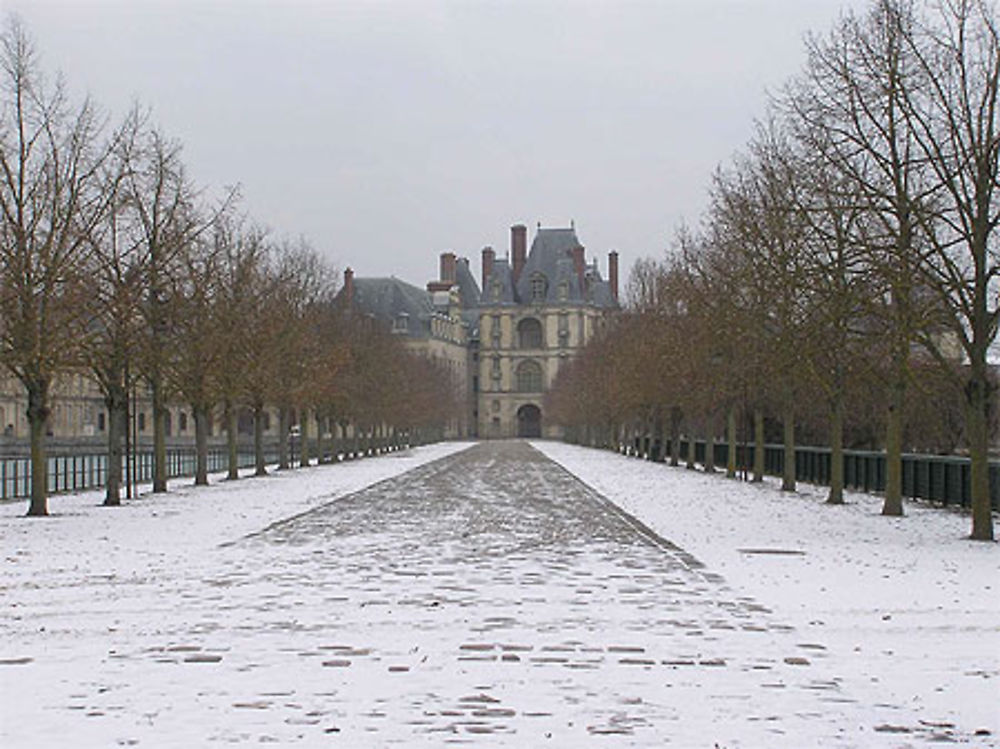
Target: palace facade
[(504, 340)]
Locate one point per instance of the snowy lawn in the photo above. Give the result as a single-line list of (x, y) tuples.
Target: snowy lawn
[(63, 575), (161, 624), (908, 608)]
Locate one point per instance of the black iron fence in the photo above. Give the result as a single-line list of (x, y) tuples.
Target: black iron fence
[(936, 478), (81, 471), (83, 467)]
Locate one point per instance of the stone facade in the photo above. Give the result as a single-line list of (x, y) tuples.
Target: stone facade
[(78, 412), (502, 342), (506, 340), (537, 310)]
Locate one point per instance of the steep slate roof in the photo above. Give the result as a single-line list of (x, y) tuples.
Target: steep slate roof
[(467, 286), (388, 298), (551, 255), (501, 272)]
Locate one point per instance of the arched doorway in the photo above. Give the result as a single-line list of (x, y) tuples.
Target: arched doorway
[(529, 421)]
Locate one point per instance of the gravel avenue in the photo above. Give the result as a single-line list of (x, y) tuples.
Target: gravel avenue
[(487, 597)]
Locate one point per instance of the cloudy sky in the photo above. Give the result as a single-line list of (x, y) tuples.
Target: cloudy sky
[(388, 132)]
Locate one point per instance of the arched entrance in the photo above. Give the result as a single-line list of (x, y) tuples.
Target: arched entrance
[(529, 421)]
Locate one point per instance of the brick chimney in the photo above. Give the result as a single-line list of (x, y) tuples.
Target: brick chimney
[(579, 265), (488, 257), (518, 249), (448, 266), (349, 286), (613, 274)]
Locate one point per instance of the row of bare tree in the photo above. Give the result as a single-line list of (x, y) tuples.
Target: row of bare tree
[(849, 260), (111, 260)]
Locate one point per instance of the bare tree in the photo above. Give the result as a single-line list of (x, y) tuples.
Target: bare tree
[(110, 346), (243, 263), (837, 285), (197, 332), (166, 220), (954, 121), (850, 104), (51, 198), (161, 200)]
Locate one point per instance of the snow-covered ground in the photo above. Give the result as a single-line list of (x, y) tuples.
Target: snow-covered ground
[(201, 616), (908, 608), (80, 583)]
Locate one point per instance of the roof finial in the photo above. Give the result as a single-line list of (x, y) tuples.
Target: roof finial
[(539, 225), (572, 224)]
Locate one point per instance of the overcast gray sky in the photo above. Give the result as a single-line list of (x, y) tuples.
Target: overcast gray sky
[(387, 132)]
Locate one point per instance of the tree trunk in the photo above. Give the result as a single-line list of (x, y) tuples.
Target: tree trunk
[(788, 424), (232, 442), (758, 445), (341, 450), (893, 504), (675, 436), (282, 438), (159, 437), (260, 464), (200, 412), (836, 495), (321, 441), (710, 444), (690, 465), (304, 428), (731, 438), (978, 409), (117, 424), (38, 416)]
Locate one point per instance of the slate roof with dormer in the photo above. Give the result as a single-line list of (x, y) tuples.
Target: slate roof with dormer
[(550, 257), (468, 288), (387, 299), (503, 277)]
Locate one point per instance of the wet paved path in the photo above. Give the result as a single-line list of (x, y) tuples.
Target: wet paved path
[(492, 593), (488, 598)]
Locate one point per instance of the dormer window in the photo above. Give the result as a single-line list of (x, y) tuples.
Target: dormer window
[(496, 291), (563, 291), (401, 324), (538, 288)]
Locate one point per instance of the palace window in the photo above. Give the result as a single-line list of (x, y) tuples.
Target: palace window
[(529, 333), (529, 377)]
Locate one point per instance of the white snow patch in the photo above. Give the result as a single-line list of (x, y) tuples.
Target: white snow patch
[(87, 582), (908, 607)]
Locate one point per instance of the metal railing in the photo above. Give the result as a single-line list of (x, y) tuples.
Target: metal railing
[(79, 472), (945, 479), (84, 470)]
